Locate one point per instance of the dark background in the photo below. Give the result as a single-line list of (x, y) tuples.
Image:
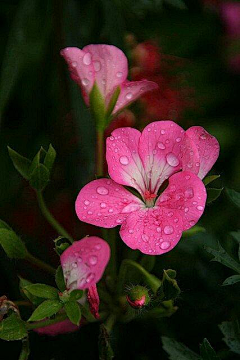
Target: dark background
[(40, 104)]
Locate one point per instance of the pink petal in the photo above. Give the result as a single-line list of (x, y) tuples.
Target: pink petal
[(62, 327), (190, 155), (208, 148), (110, 66), (124, 164), (84, 262), (160, 150), (93, 300), (105, 203), (157, 230), (81, 68), (132, 90)]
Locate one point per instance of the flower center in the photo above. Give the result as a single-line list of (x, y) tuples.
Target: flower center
[(149, 198)]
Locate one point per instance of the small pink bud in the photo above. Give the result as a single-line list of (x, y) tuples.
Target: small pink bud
[(138, 297)]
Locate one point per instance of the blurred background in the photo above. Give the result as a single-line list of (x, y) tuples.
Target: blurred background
[(192, 50)]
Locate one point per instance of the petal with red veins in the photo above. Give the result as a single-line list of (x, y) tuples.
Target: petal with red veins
[(132, 90), (93, 300), (84, 262), (208, 148), (81, 68), (105, 203), (110, 66), (160, 150), (124, 164)]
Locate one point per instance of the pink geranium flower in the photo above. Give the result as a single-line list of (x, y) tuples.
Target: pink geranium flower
[(83, 264), (107, 66), (63, 327), (143, 161)]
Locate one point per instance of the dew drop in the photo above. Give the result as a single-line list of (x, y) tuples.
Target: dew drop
[(124, 160), (186, 209), (129, 96), (86, 202), (103, 205), (200, 208), (85, 82), (178, 139), (74, 64), (144, 237), (161, 145), (89, 212), (90, 277), (187, 177), (159, 229), (93, 260), (119, 74), (87, 59), (189, 193), (97, 66), (162, 132), (192, 222), (130, 231), (97, 247), (172, 160), (168, 230), (110, 210), (74, 265), (101, 190), (203, 137), (165, 245)]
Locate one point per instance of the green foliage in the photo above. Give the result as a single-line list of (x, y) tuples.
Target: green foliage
[(39, 177), (208, 179), (50, 158), (169, 288), (12, 244), (42, 291), (231, 280), (46, 309), (213, 194), (76, 294), (231, 332), (177, 350), (61, 244), (112, 103), (148, 262), (97, 106), (59, 279), (73, 312), (23, 283), (104, 345), (12, 328), (234, 196), (222, 256), (207, 352), (21, 163)]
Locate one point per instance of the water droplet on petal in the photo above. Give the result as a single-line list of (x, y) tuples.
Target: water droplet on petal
[(144, 237), (203, 137), (187, 177), (178, 139), (93, 260), (130, 231), (200, 208), (192, 222), (103, 205), (97, 247), (74, 64), (87, 59), (161, 145), (90, 277), (172, 160), (102, 190), (86, 202), (110, 210), (165, 245), (168, 229), (189, 193), (159, 229), (186, 209), (119, 74), (124, 160), (89, 212), (85, 82), (162, 132), (74, 265), (129, 96), (97, 66)]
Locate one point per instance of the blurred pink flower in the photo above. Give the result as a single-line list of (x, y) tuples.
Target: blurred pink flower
[(62, 327), (143, 161), (230, 12), (107, 66)]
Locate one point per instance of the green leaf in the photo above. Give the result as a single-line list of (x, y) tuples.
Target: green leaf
[(234, 196), (39, 177), (4, 225), (61, 244), (23, 283), (104, 345), (222, 256), (213, 194), (169, 288), (21, 164), (231, 332), (46, 309), (59, 279), (236, 235), (12, 244), (231, 280), (194, 230), (97, 107), (50, 158), (43, 291), (207, 352), (148, 262), (76, 294), (112, 102), (73, 312), (12, 328), (210, 179), (177, 350)]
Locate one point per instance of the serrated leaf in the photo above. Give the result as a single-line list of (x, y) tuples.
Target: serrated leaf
[(39, 178), (222, 256), (46, 309), (177, 350), (207, 352), (50, 158), (12, 328), (97, 107), (21, 163), (43, 291), (208, 179), (234, 196), (12, 244), (231, 332), (213, 194), (73, 312), (231, 280), (113, 101), (22, 284), (104, 345), (148, 262), (59, 279)]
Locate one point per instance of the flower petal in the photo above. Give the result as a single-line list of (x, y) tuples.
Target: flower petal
[(124, 164), (93, 300), (105, 203), (110, 66), (208, 148), (62, 327), (160, 150), (84, 262), (81, 68), (157, 230), (132, 90)]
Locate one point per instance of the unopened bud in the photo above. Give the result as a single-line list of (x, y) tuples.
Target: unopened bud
[(138, 297), (61, 244)]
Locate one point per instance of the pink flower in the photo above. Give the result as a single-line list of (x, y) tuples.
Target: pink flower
[(230, 12), (62, 327), (107, 66), (143, 161), (83, 265)]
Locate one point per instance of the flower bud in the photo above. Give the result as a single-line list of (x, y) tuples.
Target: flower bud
[(138, 297)]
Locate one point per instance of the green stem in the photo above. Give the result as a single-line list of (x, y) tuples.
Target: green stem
[(49, 217), (110, 236), (39, 263), (40, 324), (100, 152), (109, 323), (150, 279), (25, 349)]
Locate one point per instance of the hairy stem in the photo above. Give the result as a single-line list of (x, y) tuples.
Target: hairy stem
[(25, 349)]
